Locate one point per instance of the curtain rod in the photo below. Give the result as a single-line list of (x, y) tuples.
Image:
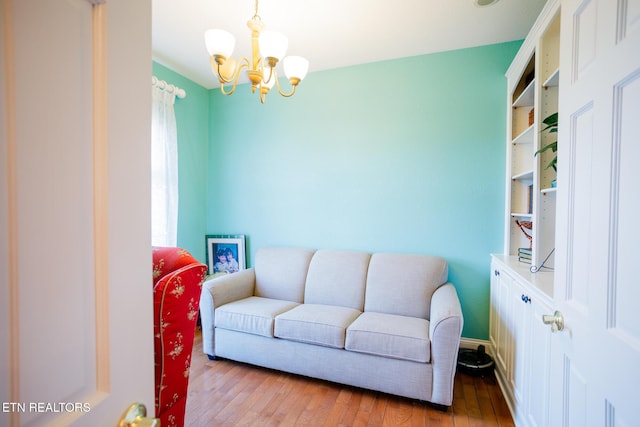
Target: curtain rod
[(161, 84)]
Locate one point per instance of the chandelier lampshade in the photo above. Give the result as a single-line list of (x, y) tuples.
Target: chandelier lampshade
[(219, 42), (273, 45), (295, 67), (268, 48)]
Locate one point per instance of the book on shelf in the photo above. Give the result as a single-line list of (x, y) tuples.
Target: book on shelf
[(524, 255)]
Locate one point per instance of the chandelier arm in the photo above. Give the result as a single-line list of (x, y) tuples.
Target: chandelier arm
[(233, 89), (271, 73), (222, 79), (236, 73), (286, 95), (234, 79)]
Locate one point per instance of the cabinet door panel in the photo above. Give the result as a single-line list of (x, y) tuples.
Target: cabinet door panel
[(503, 349), (538, 367), (520, 321), (494, 317)]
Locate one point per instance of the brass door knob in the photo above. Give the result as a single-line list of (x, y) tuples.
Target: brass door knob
[(556, 321), (136, 416)]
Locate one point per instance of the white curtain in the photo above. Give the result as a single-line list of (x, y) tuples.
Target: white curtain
[(164, 169)]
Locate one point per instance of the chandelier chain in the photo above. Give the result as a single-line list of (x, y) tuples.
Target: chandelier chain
[(256, 17)]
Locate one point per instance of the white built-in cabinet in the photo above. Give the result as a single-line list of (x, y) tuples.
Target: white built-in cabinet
[(520, 341), (522, 288)]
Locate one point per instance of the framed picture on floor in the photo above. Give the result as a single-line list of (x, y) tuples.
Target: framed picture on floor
[(225, 253)]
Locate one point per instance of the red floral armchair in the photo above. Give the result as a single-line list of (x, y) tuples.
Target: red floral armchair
[(177, 281)]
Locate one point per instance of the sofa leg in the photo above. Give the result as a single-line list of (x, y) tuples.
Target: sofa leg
[(212, 357)]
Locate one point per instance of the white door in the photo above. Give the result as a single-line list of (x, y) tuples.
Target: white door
[(76, 333), (596, 358)]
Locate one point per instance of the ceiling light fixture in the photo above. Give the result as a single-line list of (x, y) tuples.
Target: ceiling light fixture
[(483, 3), (267, 49)]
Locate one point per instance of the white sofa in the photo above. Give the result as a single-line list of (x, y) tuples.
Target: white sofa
[(386, 322)]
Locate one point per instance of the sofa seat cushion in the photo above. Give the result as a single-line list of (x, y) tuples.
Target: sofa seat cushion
[(316, 324), (390, 335), (253, 315)]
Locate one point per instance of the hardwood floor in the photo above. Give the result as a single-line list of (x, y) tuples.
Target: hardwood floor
[(227, 393)]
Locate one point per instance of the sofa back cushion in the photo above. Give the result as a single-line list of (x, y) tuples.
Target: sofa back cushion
[(281, 272), (167, 259), (402, 284), (337, 278)]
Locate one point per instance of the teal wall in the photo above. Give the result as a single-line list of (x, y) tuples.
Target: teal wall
[(192, 116), (402, 156)]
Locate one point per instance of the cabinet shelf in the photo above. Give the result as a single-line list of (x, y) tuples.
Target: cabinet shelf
[(521, 215), (525, 137), (553, 79), (548, 190), (524, 176), (526, 97)]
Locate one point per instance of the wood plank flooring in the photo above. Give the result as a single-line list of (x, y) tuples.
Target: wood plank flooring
[(227, 393)]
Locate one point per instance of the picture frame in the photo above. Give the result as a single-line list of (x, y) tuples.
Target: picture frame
[(219, 245)]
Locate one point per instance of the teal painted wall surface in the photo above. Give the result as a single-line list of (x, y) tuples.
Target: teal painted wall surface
[(192, 116), (400, 156)]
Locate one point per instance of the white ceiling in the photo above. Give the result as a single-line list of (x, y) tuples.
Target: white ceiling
[(335, 33)]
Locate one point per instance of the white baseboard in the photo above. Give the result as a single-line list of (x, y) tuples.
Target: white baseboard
[(473, 343)]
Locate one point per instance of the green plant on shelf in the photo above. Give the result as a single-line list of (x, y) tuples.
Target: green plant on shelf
[(551, 123)]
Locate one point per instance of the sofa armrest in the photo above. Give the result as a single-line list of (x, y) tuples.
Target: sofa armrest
[(445, 330), (217, 292)]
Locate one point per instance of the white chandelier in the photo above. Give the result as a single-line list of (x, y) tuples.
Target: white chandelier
[(267, 49)]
